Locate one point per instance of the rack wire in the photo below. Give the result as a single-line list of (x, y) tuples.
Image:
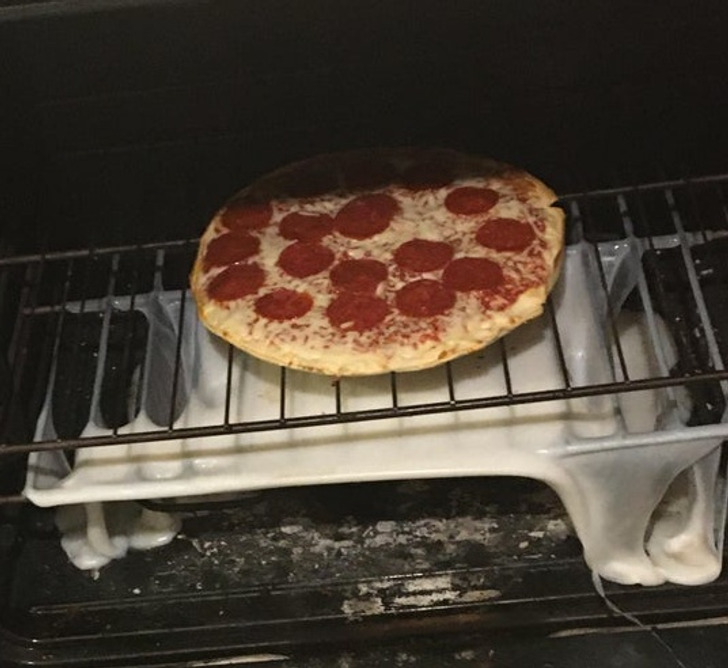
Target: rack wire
[(63, 303)]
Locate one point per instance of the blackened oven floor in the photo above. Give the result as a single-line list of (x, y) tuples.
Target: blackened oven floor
[(455, 569)]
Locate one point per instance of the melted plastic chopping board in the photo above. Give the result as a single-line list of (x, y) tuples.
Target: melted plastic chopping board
[(611, 458)]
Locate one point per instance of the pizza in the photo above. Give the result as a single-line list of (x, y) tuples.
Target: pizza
[(371, 261)]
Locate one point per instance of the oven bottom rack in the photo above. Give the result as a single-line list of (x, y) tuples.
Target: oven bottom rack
[(214, 385)]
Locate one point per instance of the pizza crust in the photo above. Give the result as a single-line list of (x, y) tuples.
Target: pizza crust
[(339, 360), (307, 343)]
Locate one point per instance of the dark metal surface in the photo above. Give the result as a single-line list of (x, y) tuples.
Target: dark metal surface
[(462, 570)]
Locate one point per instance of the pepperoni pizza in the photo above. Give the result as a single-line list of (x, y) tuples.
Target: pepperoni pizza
[(380, 260)]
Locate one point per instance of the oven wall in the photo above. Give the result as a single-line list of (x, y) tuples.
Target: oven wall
[(132, 121)]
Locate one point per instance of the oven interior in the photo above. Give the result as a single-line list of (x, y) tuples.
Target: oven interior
[(125, 125)]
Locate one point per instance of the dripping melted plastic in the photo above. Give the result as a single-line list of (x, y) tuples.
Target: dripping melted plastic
[(640, 487)]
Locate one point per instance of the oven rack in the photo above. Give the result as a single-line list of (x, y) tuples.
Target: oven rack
[(94, 327)]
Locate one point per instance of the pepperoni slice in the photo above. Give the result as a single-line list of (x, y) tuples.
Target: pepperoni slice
[(366, 215), (426, 176), (424, 298), (283, 304), (230, 248), (360, 276), (305, 259), (423, 255), (236, 282), (241, 215), (306, 226), (472, 273), (505, 234), (357, 312), (470, 200)]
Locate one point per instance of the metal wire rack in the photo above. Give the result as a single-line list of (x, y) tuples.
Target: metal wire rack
[(80, 336)]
